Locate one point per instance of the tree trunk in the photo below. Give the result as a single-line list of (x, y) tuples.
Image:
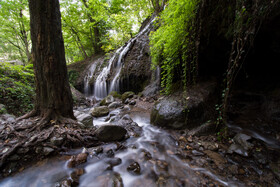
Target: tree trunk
[(53, 95), (23, 37)]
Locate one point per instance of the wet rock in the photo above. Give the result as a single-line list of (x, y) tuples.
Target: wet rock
[(242, 139), (179, 112), (217, 158), (197, 153), (110, 153), (236, 148), (75, 176), (8, 118), (98, 150), (85, 119), (127, 95), (126, 101), (133, 102), (126, 120), (110, 132), (65, 183), (114, 105), (241, 145), (107, 100), (210, 146), (117, 180), (114, 162), (134, 168), (100, 111), (56, 141), (125, 108), (47, 150), (77, 160), (146, 155)]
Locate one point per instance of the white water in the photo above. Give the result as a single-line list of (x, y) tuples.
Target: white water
[(103, 86), (159, 143), (100, 86), (89, 76)]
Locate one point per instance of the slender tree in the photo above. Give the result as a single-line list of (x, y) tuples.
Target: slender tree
[(53, 96)]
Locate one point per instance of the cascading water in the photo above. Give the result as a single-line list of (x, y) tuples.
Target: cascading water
[(101, 86), (89, 76)]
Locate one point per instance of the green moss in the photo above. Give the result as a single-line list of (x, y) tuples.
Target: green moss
[(115, 94), (73, 75), (17, 88), (127, 95)]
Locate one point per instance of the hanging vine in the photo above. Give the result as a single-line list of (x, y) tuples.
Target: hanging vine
[(249, 16)]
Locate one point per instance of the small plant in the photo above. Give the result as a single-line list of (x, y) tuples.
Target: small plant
[(16, 88)]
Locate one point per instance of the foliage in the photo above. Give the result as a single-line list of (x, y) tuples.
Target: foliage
[(92, 24), (17, 87), (73, 75), (15, 32), (170, 44)]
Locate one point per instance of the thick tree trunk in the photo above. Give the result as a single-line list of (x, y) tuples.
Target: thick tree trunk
[(53, 95)]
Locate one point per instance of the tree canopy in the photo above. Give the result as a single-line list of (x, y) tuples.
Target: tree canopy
[(89, 26)]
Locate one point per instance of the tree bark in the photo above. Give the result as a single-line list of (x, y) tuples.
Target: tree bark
[(24, 38), (53, 95)]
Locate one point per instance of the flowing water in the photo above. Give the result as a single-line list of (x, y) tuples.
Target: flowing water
[(154, 151), (105, 82)]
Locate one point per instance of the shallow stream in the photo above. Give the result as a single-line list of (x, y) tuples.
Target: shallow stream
[(148, 160)]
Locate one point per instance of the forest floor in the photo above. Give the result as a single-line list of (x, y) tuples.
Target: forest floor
[(238, 158)]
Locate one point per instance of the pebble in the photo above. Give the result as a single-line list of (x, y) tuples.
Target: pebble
[(134, 168)]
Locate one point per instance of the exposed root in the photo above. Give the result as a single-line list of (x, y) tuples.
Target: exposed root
[(31, 134), (29, 115)]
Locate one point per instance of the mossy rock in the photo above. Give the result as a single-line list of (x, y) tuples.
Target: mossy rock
[(115, 94), (127, 95), (107, 100), (100, 111)]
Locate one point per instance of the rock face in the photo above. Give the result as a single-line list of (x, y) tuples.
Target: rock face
[(110, 132), (100, 111), (136, 71), (184, 111)]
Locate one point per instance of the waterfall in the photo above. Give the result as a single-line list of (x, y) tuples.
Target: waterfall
[(100, 86), (103, 86), (89, 76), (115, 84)]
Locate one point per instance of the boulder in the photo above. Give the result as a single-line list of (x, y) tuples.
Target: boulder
[(127, 95), (107, 133), (114, 105), (115, 94), (85, 119), (185, 111), (100, 111), (107, 100)]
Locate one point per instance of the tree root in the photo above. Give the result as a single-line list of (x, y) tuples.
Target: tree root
[(37, 131)]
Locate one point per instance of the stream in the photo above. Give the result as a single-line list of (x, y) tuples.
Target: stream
[(147, 160)]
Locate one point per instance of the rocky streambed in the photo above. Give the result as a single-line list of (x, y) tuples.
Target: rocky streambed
[(136, 153)]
